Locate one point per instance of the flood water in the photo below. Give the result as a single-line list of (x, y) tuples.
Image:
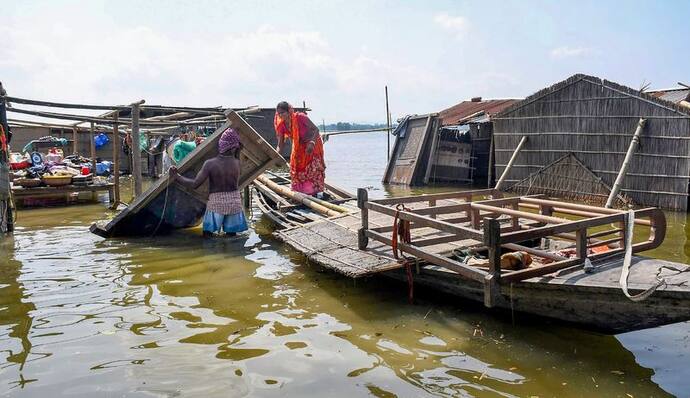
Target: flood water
[(182, 316)]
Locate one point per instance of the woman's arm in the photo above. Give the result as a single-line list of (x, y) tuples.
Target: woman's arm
[(281, 143), (188, 182), (312, 134)]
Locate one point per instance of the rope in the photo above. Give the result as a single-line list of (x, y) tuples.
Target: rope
[(401, 231), (165, 206), (625, 272)]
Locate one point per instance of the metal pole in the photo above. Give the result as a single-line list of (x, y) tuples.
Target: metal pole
[(388, 124)]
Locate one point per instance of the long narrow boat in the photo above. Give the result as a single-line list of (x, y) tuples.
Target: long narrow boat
[(446, 226), (169, 205)]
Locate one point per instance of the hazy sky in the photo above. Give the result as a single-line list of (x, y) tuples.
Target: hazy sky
[(335, 55)]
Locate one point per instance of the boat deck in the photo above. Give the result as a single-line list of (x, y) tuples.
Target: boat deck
[(333, 242)]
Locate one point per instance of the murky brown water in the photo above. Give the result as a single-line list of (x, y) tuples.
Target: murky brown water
[(182, 316)]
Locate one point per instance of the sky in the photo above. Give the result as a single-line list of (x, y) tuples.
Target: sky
[(337, 56)]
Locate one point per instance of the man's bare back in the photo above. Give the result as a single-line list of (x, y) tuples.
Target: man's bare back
[(223, 173)]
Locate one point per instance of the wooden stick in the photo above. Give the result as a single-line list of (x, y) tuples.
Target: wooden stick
[(362, 238), (92, 147), (626, 163), (116, 160), (136, 150), (499, 184)]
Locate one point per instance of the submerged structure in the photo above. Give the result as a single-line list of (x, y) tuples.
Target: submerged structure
[(452, 146), (594, 125), (168, 205)]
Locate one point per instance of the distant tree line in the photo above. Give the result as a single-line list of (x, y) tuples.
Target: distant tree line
[(344, 126)]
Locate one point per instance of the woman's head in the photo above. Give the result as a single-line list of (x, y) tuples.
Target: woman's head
[(283, 109)]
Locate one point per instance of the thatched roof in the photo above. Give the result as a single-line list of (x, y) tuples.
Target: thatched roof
[(624, 90)]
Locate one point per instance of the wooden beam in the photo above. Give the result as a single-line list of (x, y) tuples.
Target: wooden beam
[(136, 150), (427, 221), (362, 198), (461, 269), (92, 149), (435, 196), (75, 141), (116, 160)]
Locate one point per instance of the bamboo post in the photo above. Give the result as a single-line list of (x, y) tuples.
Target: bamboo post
[(10, 212), (246, 194), (490, 172), (581, 243), (492, 240), (499, 184), (362, 199), (626, 163), (116, 159), (92, 148), (136, 149), (388, 125), (75, 141)]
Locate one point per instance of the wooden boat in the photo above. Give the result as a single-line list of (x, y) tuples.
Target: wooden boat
[(556, 286), (168, 205)]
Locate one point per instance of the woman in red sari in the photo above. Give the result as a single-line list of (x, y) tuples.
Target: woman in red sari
[(307, 168)]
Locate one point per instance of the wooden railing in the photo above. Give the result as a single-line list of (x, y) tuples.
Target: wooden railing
[(525, 219)]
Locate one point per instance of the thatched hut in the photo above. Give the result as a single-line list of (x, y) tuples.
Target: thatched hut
[(578, 133)]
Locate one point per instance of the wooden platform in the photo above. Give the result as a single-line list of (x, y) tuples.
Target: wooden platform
[(42, 192), (557, 288), (333, 242)]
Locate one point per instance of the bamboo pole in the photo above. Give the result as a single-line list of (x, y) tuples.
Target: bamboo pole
[(499, 184), (626, 163), (304, 199), (75, 141), (116, 160), (92, 145), (388, 125), (490, 172), (136, 149)]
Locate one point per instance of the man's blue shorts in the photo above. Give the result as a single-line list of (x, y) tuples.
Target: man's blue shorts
[(213, 222)]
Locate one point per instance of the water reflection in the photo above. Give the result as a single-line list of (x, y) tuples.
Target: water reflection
[(182, 316)]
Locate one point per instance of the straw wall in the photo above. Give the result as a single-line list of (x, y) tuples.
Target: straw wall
[(595, 120)]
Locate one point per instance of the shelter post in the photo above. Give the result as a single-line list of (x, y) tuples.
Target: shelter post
[(626, 163), (499, 184), (116, 160), (136, 149)]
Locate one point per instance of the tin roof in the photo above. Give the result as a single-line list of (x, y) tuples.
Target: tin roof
[(458, 113), (674, 95)]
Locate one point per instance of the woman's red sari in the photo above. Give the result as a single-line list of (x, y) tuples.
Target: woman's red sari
[(307, 170)]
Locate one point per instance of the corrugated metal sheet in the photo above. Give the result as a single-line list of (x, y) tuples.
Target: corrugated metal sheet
[(463, 110), (672, 95)]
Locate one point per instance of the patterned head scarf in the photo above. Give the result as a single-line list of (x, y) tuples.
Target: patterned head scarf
[(230, 139)]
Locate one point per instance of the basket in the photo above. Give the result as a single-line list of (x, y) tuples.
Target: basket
[(57, 181), (27, 182)]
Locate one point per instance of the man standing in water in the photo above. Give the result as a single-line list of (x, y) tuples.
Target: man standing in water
[(224, 208)]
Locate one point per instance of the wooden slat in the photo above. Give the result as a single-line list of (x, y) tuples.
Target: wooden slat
[(427, 221), (461, 269)]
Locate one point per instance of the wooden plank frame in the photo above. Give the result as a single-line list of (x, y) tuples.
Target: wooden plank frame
[(495, 238)]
